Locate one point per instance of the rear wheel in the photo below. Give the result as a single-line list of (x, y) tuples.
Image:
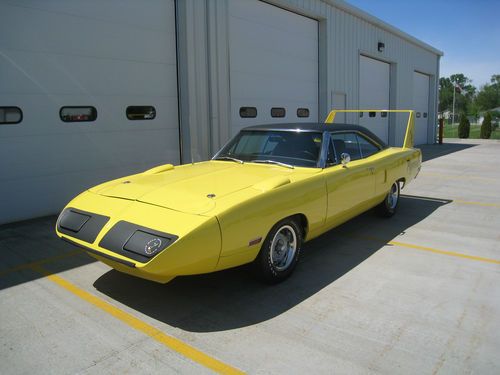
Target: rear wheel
[(390, 204), (279, 253)]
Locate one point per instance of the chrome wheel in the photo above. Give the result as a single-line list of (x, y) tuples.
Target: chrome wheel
[(393, 196), (283, 248)]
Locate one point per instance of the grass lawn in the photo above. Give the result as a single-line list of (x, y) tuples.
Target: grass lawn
[(451, 131)]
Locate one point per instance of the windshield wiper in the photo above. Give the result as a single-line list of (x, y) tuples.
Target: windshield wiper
[(228, 158), (274, 162)]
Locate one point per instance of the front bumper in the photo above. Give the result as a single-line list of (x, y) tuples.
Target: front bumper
[(107, 229), (128, 239)]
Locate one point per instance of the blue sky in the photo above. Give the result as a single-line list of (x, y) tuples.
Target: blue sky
[(467, 31)]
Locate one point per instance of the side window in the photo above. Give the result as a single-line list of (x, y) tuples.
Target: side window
[(346, 142), (367, 148)]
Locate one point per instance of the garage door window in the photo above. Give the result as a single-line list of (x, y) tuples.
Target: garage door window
[(303, 112), (278, 112), (141, 112), (10, 115), (248, 112), (78, 114)]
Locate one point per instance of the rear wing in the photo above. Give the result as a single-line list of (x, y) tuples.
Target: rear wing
[(410, 126)]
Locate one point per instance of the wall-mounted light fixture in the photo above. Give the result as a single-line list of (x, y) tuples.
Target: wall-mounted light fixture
[(380, 47)]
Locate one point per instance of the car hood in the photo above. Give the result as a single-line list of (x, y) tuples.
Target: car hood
[(191, 188)]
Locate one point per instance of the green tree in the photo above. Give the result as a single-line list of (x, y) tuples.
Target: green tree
[(486, 127), (463, 126), (495, 116), (489, 95), (463, 97)]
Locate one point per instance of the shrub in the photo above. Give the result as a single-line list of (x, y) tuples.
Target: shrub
[(463, 126), (486, 127)]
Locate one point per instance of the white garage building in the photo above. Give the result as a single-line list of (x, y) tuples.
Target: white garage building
[(93, 90)]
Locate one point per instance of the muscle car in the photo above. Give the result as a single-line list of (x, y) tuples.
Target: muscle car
[(266, 192)]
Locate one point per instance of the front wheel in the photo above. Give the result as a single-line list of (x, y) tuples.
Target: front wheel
[(279, 253), (390, 204)]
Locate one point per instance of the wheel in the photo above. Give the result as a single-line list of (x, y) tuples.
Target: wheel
[(279, 253), (390, 204)]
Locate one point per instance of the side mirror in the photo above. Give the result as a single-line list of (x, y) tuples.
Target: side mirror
[(345, 158)]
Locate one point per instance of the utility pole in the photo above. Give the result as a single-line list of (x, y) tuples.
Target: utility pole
[(453, 113)]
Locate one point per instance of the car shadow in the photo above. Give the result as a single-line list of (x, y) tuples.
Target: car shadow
[(233, 299), (434, 151), (30, 243)]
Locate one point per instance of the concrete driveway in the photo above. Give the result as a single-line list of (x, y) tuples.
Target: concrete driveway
[(416, 294)]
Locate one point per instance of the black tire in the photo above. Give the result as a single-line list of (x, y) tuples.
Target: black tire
[(391, 201), (271, 266)]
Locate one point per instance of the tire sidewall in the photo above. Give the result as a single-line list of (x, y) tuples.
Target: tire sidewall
[(392, 210), (265, 268)]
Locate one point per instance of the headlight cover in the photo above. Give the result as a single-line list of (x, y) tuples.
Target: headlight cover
[(136, 242), (80, 224)]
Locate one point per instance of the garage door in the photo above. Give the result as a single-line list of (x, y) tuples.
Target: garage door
[(421, 106), (74, 68), (273, 65), (374, 86)]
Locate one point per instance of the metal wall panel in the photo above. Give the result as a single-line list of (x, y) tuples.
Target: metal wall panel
[(91, 53), (117, 53), (345, 33)]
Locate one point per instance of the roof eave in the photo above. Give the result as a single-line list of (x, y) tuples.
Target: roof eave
[(351, 9)]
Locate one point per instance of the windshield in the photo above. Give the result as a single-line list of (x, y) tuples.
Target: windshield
[(301, 149)]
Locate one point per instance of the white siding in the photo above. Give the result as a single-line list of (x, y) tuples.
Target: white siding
[(117, 53)]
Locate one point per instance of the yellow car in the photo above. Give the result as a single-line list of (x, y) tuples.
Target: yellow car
[(265, 193)]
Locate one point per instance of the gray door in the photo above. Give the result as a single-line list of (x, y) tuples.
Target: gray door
[(421, 107), (273, 64), (374, 86)]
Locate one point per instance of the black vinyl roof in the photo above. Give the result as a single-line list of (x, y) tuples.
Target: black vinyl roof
[(316, 127)]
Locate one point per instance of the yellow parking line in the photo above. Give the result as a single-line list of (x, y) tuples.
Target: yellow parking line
[(444, 252), (40, 262), (432, 250), (485, 204), (457, 201), (130, 320), (446, 176)]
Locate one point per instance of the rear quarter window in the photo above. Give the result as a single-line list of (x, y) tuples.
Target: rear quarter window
[(347, 142), (367, 148)]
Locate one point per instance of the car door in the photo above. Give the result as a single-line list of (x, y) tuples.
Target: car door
[(378, 165), (351, 186)]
